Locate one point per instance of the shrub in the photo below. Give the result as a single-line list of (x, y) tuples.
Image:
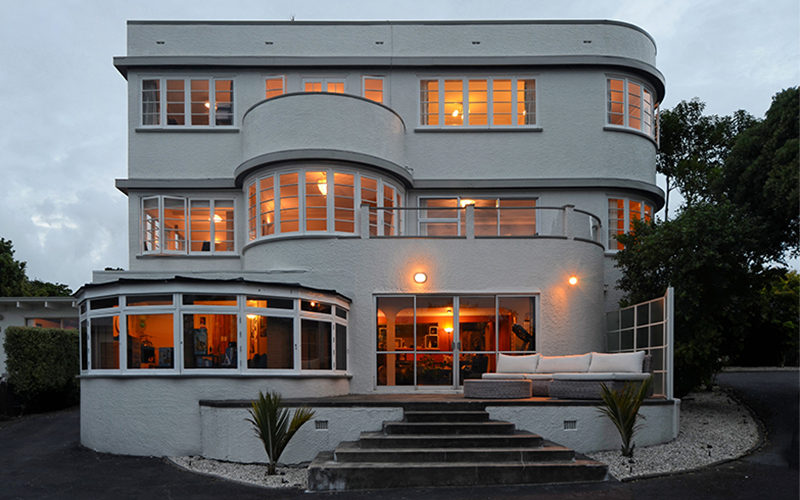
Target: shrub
[(43, 365), (622, 407), (273, 427)]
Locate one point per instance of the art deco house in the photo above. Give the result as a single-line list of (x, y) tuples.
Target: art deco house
[(334, 208)]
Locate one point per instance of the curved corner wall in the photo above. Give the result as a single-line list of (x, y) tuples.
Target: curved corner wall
[(322, 125)]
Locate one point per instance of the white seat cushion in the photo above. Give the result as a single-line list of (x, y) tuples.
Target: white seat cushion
[(600, 376), (501, 376), (538, 376), (559, 364), (624, 362), (517, 364)]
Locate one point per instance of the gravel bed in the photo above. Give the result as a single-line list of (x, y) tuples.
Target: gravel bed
[(714, 428)]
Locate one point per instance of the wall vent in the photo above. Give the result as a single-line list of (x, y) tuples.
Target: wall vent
[(321, 425), (570, 425)]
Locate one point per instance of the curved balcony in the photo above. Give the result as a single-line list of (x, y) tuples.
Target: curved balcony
[(318, 125)]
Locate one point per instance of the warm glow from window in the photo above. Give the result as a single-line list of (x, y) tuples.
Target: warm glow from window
[(464, 203), (573, 280), (322, 184), (420, 277)]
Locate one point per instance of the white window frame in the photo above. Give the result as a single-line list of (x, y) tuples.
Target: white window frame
[(187, 239), (651, 112), (627, 220), (187, 105), (324, 81), (364, 79), (489, 101)]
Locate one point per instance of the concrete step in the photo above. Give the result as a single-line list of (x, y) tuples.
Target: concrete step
[(429, 428), (324, 474), (519, 439), (447, 416), (351, 452)]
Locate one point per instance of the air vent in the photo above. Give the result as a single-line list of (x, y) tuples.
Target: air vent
[(267, 43), (378, 43), (321, 425), (570, 425), (159, 42), (475, 42)]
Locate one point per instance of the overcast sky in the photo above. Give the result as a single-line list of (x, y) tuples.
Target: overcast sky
[(63, 132)]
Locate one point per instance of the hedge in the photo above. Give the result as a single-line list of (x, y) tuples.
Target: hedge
[(42, 365)]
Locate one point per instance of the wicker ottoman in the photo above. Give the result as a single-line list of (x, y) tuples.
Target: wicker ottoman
[(497, 389)]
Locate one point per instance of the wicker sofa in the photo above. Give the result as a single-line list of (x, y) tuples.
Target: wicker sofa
[(574, 377)]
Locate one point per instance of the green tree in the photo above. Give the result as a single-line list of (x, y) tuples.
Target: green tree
[(14, 281)]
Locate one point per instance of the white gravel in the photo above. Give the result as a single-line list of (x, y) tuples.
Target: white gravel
[(714, 428)]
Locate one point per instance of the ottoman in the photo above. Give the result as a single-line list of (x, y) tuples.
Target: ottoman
[(497, 389)]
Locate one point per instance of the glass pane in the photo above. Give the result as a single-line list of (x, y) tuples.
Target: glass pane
[(200, 216), (519, 221), (209, 300), (270, 342), (316, 345), (658, 358), (103, 303), (290, 215), (395, 323), (175, 102), (435, 325), (270, 302), (395, 369), (151, 341), (478, 110), (209, 341), (642, 316), (223, 102), (473, 366), (105, 343), (657, 310), (626, 340), (251, 212), (642, 337), (485, 216), (501, 102), (657, 335), (344, 202), (526, 102), (315, 306), (616, 99), (151, 102), (627, 317), (612, 321), (201, 106), (267, 193), (373, 89), (434, 369), (84, 346), (453, 102), (517, 324), (342, 313), (476, 320), (613, 341), (658, 383), (148, 300), (429, 102), (174, 224), (341, 347), (224, 229), (274, 87), (316, 201)]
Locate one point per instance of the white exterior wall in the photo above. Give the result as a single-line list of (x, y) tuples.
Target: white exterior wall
[(15, 312)]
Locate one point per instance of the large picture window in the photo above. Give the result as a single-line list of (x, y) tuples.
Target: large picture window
[(493, 216), (432, 340), (621, 214), (632, 105), (318, 200), (180, 225), (187, 102), (478, 102)]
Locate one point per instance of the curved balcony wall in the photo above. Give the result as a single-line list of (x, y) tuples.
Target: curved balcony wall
[(322, 126)]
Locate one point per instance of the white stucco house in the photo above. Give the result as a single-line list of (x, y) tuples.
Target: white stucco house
[(356, 208)]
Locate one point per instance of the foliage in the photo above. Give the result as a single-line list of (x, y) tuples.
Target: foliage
[(622, 407), (760, 175), (42, 365), (273, 427), (708, 253), (15, 283)]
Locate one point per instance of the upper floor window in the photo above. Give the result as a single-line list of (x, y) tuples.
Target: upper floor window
[(621, 214), (333, 85), (275, 86), (373, 88), (180, 225), (631, 105), (481, 102), (318, 200), (187, 101), (492, 216)]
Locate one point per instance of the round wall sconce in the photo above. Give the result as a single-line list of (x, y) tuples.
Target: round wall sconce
[(420, 277), (573, 280)]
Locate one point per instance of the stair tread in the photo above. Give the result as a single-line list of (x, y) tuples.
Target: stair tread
[(458, 465)]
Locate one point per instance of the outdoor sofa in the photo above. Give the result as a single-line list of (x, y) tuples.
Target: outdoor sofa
[(574, 377)]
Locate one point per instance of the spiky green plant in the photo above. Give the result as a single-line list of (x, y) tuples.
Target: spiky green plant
[(622, 407), (273, 427)]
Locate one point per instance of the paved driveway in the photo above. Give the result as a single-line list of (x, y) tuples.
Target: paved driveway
[(40, 457)]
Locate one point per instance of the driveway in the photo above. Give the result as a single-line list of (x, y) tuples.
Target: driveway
[(40, 457)]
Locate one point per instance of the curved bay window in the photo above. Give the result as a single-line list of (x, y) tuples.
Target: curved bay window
[(428, 340), (320, 201), (189, 333)]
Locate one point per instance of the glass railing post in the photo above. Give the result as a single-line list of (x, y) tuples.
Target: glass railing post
[(470, 221), (568, 212)]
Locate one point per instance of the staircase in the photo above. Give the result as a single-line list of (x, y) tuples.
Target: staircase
[(448, 445)]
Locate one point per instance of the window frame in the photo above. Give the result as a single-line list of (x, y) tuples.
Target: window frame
[(490, 115), (612, 245), (648, 127), (267, 79), (364, 90), (162, 102), (324, 82), (187, 226)]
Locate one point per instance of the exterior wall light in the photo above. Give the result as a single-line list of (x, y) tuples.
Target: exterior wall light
[(573, 281), (420, 277)]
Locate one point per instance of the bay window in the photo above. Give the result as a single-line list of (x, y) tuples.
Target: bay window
[(478, 102), (187, 102), (621, 214), (174, 225), (632, 105)]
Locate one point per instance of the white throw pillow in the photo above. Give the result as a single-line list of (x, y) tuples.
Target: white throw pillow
[(624, 362), (561, 364), (517, 364)]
